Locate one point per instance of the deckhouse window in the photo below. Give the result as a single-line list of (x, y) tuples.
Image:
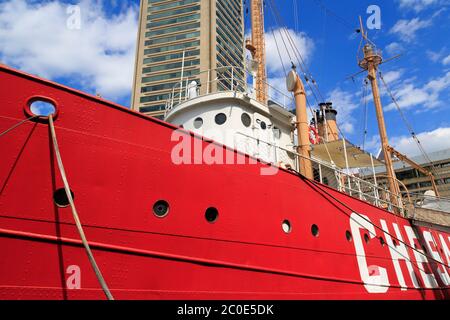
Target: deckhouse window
[(246, 120), (198, 123), (220, 118)]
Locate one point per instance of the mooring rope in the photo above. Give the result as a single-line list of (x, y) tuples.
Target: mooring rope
[(97, 271)]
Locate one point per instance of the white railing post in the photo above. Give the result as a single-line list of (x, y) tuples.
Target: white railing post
[(358, 184), (337, 174), (346, 165), (320, 173), (376, 194), (173, 96), (388, 193)]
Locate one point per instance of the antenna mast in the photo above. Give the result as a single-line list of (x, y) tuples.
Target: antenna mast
[(370, 62), (257, 47)]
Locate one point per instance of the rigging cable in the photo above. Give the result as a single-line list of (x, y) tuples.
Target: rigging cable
[(300, 59), (279, 20), (17, 125), (79, 226), (409, 127), (317, 186), (302, 65), (278, 50), (283, 30), (341, 20), (301, 62), (366, 90)]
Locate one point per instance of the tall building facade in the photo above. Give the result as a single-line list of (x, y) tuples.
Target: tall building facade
[(184, 38), (416, 182)]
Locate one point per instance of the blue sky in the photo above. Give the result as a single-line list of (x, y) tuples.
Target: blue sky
[(98, 56)]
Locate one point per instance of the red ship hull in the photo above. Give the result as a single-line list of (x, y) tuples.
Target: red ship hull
[(119, 164)]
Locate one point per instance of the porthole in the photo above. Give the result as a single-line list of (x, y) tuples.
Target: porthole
[(220, 118), (42, 108), (60, 198), (366, 238), (198, 123), (263, 125), (315, 230), (246, 120), (382, 242), (211, 214), (286, 226), (348, 235), (161, 208)]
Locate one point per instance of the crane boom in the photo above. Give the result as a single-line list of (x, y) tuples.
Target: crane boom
[(416, 166), (257, 48)]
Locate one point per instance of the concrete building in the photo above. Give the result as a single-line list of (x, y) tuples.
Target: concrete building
[(416, 182), (184, 39)]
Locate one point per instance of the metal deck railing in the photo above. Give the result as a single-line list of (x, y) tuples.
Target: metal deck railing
[(325, 173), (222, 79), (431, 202)]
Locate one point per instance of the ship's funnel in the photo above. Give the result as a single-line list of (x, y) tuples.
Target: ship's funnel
[(326, 122)]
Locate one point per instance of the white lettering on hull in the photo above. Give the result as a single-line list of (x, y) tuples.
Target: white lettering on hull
[(422, 262), (431, 244), (375, 278), (445, 249), (399, 252), (374, 282)]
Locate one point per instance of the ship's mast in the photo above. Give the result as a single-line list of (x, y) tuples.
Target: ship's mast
[(295, 85), (257, 48), (370, 62)]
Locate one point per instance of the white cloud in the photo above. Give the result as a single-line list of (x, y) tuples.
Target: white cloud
[(303, 43), (416, 5), (373, 144), (276, 78), (99, 55), (428, 96), (435, 140), (446, 60), (392, 76), (436, 56), (344, 103), (407, 29), (394, 48)]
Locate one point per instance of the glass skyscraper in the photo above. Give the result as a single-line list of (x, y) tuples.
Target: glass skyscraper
[(210, 33)]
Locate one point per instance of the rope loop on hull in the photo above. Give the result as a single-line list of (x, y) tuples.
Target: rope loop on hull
[(94, 265)]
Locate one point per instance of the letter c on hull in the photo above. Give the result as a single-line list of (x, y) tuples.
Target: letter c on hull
[(374, 282)]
